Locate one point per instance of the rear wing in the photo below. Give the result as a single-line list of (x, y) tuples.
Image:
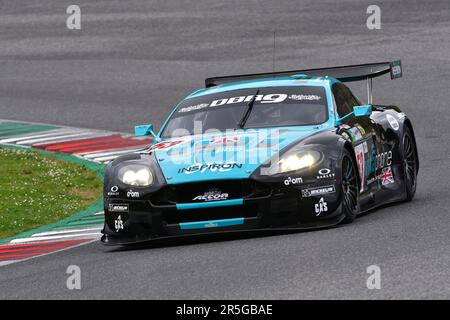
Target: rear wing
[(344, 74)]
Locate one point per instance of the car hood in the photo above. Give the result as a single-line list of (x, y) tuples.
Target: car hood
[(219, 156)]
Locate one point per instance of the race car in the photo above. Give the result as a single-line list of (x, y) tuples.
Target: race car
[(283, 150)]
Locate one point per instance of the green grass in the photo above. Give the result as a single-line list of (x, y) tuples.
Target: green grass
[(36, 190)]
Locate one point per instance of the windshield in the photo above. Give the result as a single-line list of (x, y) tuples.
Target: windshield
[(273, 107)]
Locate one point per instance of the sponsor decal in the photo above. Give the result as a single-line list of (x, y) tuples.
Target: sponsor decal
[(133, 194), (114, 191), (212, 195), (377, 162), (220, 144), (217, 167), (211, 225), (321, 207), (118, 223), (361, 129), (393, 122), (369, 162), (225, 140), (312, 192), (346, 136), (301, 97), (268, 98), (165, 145), (294, 181), (384, 159), (366, 149), (118, 208), (356, 133), (401, 116), (386, 176), (325, 174), (192, 108), (351, 135)]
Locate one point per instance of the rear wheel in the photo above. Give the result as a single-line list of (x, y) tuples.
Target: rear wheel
[(350, 190), (409, 164)]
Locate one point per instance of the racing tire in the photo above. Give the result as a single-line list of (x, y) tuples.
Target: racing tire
[(350, 188), (408, 150)]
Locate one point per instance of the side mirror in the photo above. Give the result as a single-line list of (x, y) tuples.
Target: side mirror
[(362, 111), (358, 111), (144, 130)]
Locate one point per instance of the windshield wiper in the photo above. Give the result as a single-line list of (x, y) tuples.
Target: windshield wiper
[(250, 104)]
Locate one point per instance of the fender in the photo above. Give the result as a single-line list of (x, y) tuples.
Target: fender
[(122, 190), (330, 143), (334, 145), (382, 115)]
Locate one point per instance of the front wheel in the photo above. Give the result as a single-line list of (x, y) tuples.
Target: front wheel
[(350, 190)]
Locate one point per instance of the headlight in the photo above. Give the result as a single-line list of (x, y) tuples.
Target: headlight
[(136, 175), (293, 160)]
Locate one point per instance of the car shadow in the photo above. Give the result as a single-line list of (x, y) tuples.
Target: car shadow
[(232, 236), (380, 207), (208, 238)]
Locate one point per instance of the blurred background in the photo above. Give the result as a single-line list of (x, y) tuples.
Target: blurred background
[(133, 60)]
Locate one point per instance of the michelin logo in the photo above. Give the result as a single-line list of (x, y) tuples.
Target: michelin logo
[(318, 191), (118, 208)]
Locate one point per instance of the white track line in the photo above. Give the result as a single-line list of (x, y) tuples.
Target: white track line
[(112, 157), (5, 263), (28, 137), (67, 231), (94, 155), (93, 235), (64, 140), (35, 141), (48, 253), (108, 158)]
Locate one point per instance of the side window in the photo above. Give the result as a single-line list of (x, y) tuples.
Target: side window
[(342, 105), (345, 100), (351, 100)]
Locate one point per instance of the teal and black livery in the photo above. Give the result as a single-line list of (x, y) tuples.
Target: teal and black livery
[(283, 150)]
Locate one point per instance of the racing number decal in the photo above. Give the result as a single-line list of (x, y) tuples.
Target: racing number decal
[(360, 159)]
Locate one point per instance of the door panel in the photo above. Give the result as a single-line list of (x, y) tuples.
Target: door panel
[(365, 137)]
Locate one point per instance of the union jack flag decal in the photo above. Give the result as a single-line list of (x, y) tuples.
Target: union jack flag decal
[(386, 176)]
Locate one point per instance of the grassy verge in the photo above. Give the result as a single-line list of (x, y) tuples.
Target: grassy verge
[(36, 190)]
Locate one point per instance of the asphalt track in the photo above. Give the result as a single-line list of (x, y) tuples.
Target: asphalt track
[(133, 60)]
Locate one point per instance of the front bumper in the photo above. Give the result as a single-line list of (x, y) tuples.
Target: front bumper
[(270, 207)]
